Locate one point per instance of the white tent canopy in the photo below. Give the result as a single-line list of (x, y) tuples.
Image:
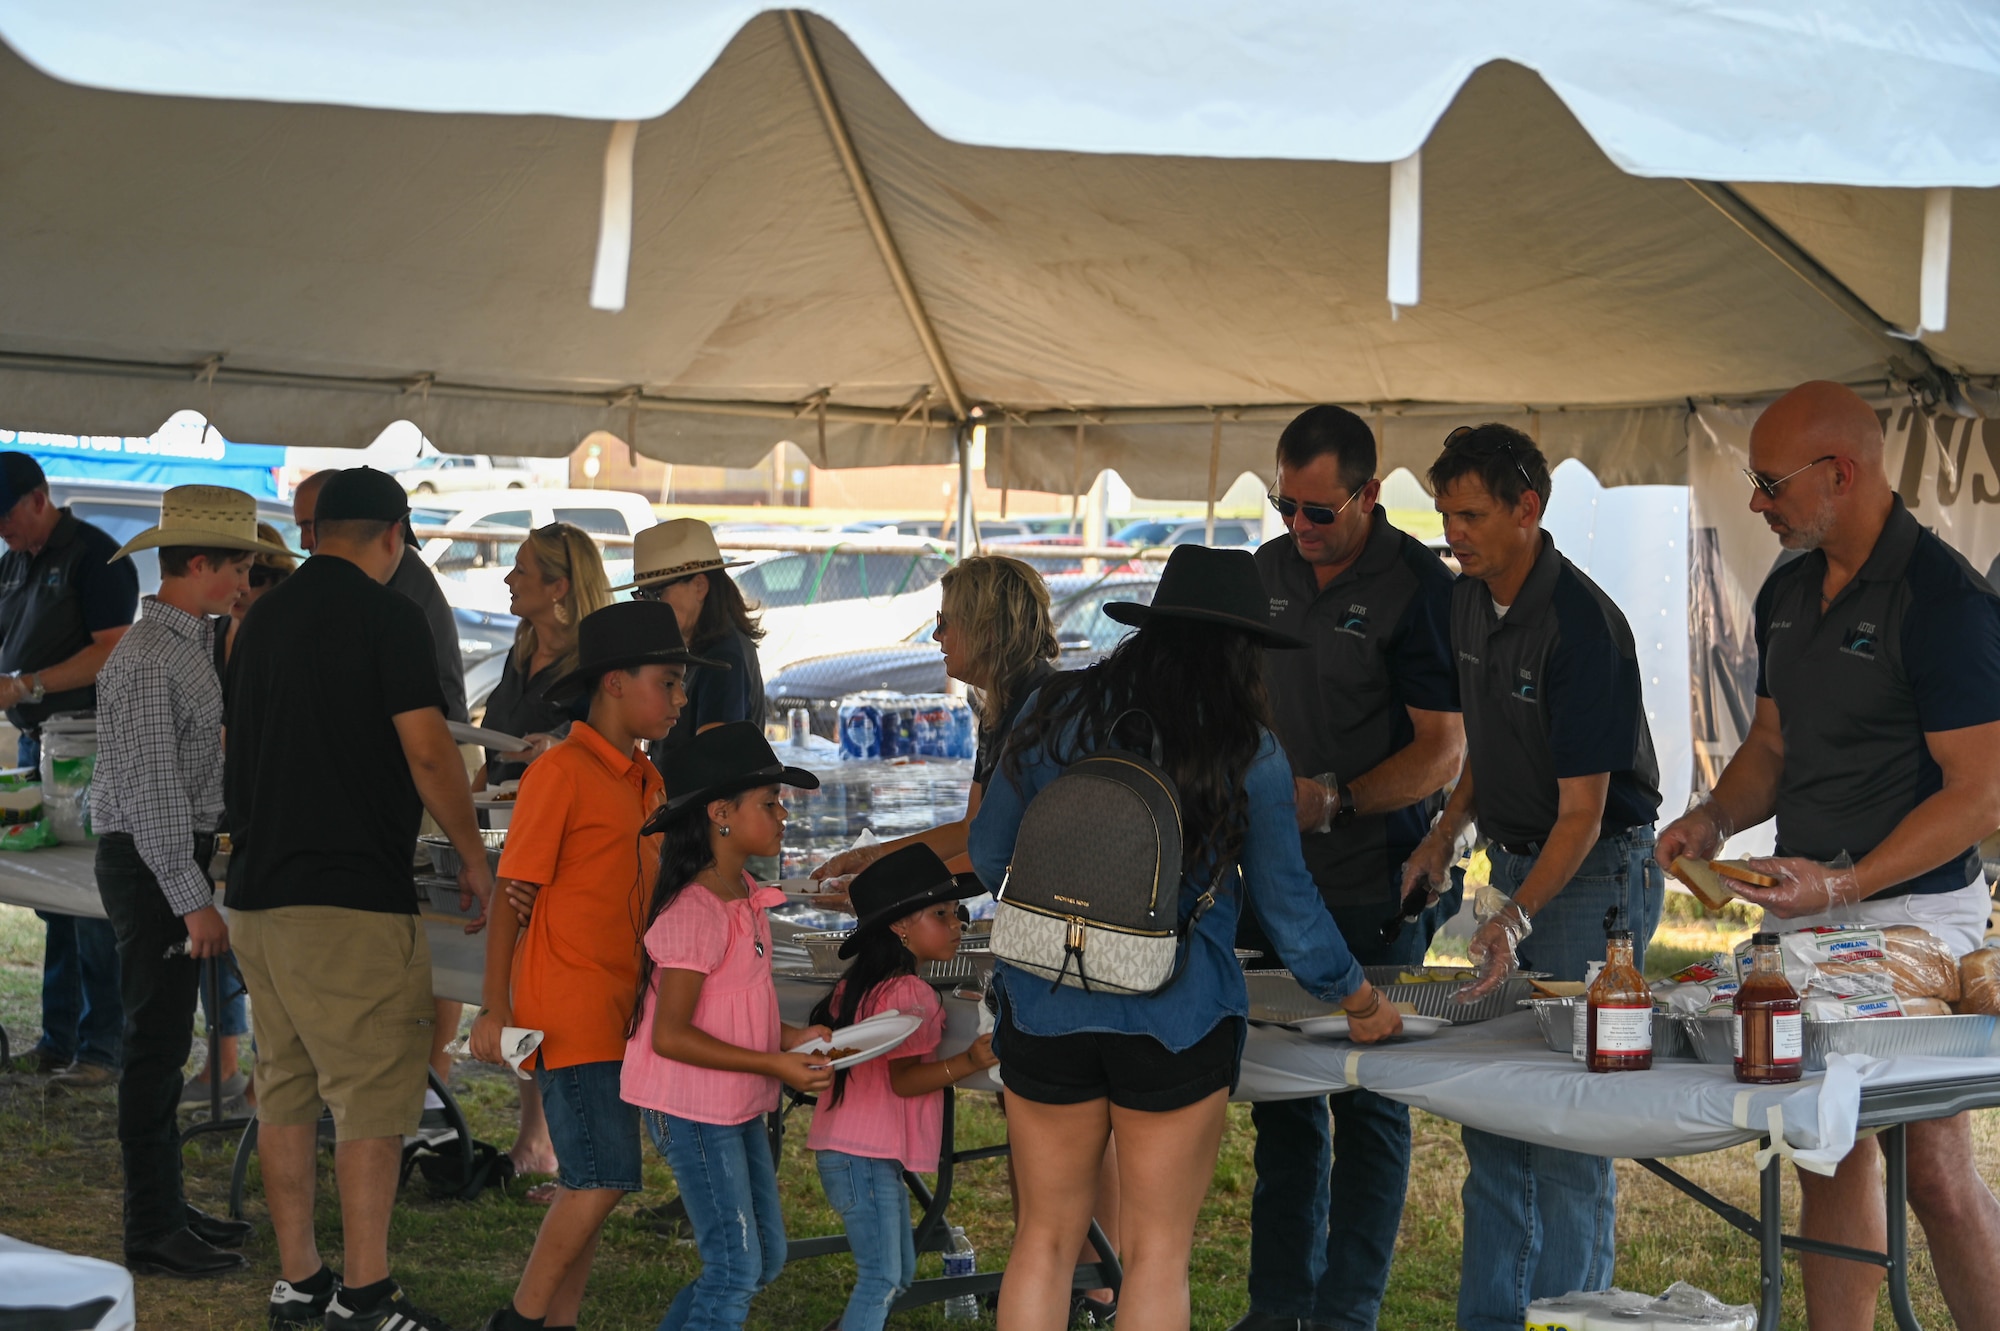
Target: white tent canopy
[(1141, 235)]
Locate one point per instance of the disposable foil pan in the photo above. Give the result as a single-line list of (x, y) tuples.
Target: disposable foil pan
[(1555, 1015), (1968, 1036), (822, 947), (444, 855), (1437, 997)]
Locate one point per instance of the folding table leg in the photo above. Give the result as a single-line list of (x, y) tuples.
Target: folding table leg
[(1771, 1240), (1896, 1155)]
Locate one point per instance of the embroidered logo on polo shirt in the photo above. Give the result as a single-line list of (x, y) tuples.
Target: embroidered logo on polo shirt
[(1524, 688), (1468, 658), (1355, 621), (53, 579), (1860, 641)]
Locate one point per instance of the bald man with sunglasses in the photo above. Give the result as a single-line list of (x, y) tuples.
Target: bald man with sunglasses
[(1876, 745)]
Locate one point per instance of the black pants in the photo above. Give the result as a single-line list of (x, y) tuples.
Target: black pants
[(159, 999)]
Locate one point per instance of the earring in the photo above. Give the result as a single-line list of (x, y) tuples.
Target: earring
[(561, 613), (725, 829)]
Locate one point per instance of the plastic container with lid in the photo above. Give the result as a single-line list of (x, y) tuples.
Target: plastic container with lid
[(69, 761)]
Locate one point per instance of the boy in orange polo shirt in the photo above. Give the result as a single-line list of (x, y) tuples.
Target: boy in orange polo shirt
[(573, 973)]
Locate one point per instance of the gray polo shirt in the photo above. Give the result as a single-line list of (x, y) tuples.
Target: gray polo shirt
[(1911, 645), (1378, 642), (414, 579), (1551, 691)]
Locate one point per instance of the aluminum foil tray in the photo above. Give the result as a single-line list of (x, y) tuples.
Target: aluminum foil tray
[(1435, 998), (1968, 1036), (1554, 1015)]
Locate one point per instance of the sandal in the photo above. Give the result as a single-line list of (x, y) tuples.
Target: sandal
[(543, 1194)]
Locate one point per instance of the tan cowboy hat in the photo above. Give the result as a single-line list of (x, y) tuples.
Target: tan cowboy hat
[(213, 517), (675, 549)]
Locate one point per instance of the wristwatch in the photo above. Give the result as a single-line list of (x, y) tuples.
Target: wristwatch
[(31, 687), (1344, 814)]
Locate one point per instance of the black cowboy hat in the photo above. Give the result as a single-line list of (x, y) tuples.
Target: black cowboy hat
[(1213, 586), (722, 761), (622, 636), (900, 882)]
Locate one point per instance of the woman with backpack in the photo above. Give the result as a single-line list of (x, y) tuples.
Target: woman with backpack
[(1151, 1048)]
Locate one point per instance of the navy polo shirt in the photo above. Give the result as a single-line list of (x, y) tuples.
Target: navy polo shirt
[(1911, 645), (1551, 691), (1378, 642)]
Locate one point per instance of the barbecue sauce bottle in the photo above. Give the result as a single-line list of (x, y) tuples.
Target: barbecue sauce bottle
[(1770, 1033), (1619, 1037)]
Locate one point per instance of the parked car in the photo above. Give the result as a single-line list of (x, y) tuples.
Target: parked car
[(446, 473), (473, 569), (1230, 533), (814, 602), (914, 665), (936, 530)]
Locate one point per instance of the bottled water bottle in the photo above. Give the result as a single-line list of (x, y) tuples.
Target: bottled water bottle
[(960, 1260)]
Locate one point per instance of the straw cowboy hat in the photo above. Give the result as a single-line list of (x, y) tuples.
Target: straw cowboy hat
[(672, 550), (212, 517)]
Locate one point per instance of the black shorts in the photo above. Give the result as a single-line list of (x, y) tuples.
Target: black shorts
[(1131, 1071)]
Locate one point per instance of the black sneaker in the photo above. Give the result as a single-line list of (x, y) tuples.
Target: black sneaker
[(395, 1313), (293, 1309)]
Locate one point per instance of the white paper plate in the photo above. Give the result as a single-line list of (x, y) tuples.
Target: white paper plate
[(869, 1039), (1335, 1026), (492, 739)]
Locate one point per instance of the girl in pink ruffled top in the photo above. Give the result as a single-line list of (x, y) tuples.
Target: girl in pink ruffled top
[(886, 1115), (705, 1053)]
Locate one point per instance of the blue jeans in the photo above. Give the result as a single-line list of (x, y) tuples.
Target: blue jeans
[(730, 1186), (595, 1133), (874, 1208), (1539, 1221), (83, 1016), (1308, 1258)]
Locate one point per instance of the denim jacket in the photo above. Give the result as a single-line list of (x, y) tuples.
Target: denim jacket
[(1211, 986)]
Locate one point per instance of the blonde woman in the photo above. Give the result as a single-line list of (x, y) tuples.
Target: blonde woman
[(558, 578), (266, 572), (998, 638)]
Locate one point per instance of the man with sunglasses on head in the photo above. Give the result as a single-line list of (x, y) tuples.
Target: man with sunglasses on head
[(1561, 776), (1876, 745), (1368, 715)]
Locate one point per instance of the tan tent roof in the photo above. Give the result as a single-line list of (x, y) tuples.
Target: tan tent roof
[(307, 274)]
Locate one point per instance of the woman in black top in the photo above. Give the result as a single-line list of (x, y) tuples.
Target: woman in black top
[(679, 563), (557, 579)]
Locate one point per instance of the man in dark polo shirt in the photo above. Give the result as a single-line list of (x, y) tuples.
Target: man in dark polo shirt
[(64, 604), (1877, 746), (337, 744), (1368, 715), (1560, 775)]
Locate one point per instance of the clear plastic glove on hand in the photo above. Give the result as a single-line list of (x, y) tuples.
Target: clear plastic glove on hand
[(1805, 887), (1429, 867), (1496, 945), (1697, 834)]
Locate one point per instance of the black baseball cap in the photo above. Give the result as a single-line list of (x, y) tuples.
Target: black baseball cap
[(19, 474), (364, 494)]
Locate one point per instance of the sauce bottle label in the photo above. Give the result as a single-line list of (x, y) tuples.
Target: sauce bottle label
[(1624, 1030), (1788, 1037)]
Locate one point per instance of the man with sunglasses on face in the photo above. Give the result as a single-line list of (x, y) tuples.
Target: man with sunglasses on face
[(1560, 774), (1876, 745), (1368, 714)]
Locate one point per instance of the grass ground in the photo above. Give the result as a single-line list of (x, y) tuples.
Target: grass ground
[(61, 1188)]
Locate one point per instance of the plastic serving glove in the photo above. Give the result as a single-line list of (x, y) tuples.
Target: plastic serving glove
[(1805, 887), (1698, 834), (1496, 944)]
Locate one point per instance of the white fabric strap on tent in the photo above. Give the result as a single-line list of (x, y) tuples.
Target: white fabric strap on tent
[(871, 210), (1935, 286), (1406, 219), (1214, 465), (614, 227)]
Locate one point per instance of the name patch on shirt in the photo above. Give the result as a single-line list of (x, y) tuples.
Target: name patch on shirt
[(1278, 606), (1860, 641), (1468, 658)]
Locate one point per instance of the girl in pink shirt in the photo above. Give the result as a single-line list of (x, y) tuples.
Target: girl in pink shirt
[(884, 1116), (705, 1051)]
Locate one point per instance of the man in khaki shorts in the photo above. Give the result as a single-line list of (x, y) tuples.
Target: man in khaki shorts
[(337, 743), (1876, 745)]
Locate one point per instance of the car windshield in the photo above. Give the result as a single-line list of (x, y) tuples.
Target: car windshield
[(838, 575)]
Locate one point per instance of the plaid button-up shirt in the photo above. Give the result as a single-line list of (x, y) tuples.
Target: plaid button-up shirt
[(159, 747)]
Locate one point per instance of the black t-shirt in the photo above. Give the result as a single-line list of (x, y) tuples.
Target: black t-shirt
[(1551, 691), (1378, 643), (716, 695), (323, 809), (993, 738), (1910, 646)]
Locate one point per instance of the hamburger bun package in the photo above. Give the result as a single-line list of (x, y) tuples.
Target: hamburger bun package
[(1912, 961), (1979, 980)]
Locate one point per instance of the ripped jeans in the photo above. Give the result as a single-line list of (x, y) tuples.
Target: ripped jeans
[(730, 1186), (875, 1208)]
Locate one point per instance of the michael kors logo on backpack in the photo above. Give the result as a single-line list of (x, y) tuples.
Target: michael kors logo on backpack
[(1068, 901)]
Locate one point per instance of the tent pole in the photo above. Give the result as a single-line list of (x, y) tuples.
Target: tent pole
[(1214, 465), (871, 210), (1908, 357), (966, 525)]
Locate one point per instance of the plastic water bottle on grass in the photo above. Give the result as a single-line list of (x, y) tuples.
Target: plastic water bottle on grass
[(961, 1260)]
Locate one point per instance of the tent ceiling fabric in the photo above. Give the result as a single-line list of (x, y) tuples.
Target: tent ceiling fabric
[(352, 266)]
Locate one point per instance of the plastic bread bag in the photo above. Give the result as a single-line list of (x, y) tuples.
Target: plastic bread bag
[(1583, 1309), (1842, 995), (1979, 980), (1702, 1308), (1924, 967), (28, 836)]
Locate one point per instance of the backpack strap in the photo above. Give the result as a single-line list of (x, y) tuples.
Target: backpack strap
[(1156, 751)]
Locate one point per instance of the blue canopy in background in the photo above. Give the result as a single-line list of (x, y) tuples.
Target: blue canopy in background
[(164, 459)]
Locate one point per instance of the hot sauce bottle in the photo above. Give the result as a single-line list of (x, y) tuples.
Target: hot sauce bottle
[(1619, 1037), (1770, 1033)]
